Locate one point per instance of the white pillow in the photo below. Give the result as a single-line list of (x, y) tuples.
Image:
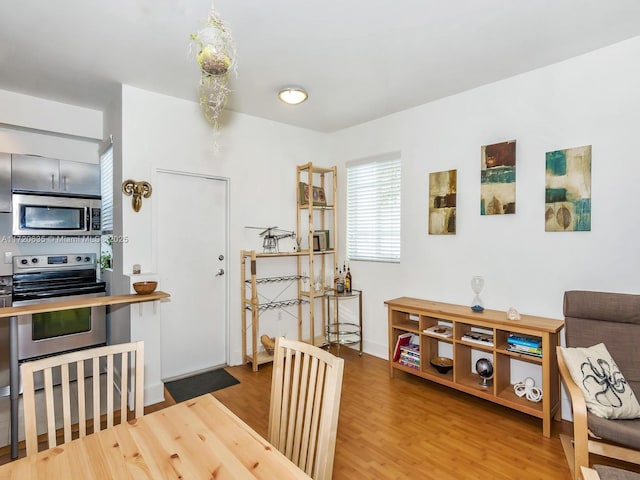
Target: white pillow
[(606, 392)]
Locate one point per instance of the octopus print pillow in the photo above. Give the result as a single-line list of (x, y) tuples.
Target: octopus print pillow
[(606, 392)]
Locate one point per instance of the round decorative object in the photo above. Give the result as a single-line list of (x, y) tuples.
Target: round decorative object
[(213, 62), (145, 288), (484, 367), (527, 388), (442, 364), (512, 314)]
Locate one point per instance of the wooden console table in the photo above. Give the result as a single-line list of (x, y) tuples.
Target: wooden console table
[(411, 315), (13, 312)]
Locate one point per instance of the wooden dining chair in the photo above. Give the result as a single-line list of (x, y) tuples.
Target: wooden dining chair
[(58, 400), (305, 403)]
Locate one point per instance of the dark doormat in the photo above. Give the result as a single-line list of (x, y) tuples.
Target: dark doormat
[(199, 384)]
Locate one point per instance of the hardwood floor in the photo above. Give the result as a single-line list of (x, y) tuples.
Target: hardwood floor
[(407, 427)]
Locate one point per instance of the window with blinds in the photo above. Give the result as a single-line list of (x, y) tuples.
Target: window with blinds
[(106, 187), (373, 209)]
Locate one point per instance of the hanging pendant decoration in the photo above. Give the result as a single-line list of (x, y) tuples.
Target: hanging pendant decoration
[(216, 56)]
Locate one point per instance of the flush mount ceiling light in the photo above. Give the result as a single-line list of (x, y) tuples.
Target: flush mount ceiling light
[(292, 95)]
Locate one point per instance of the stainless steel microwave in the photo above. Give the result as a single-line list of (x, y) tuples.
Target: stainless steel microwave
[(55, 215)]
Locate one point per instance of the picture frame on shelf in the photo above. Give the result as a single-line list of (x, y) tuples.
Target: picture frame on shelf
[(319, 197), (327, 243), (319, 242), (303, 193)]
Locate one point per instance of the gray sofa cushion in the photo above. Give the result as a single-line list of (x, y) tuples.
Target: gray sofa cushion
[(624, 432), (611, 473)]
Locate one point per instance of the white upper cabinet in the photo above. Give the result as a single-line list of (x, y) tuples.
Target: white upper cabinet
[(49, 175)]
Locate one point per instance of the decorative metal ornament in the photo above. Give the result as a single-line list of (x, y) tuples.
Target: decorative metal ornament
[(139, 190), (216, 55)]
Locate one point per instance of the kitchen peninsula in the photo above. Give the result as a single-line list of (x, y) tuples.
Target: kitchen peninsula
[(80, 303), (13, 312)]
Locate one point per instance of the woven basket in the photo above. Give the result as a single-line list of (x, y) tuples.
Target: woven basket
[(268, 343)]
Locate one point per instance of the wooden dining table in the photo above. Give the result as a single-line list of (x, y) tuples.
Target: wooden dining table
[(195, 439)]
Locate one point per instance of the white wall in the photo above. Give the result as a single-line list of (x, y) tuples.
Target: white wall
[(257, 155), (40, 114), (588, 100)]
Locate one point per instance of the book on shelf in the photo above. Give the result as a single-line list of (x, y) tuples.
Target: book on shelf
[(409, 361), (416, 367), (412, 356), (440, 331), (526, 350), (410, 350), (403, 340), (524, 340), (479, 338)]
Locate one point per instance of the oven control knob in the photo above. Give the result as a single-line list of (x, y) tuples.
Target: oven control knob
[(87, 259), (24, 261), (34, 260), (78, 259)]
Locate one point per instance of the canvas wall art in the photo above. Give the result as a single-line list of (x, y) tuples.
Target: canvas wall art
[(442, 202), (498, 178), (568, 190)]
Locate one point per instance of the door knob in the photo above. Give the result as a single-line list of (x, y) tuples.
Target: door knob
[(220, 272)]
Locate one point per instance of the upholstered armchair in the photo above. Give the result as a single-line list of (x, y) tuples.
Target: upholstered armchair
[(613, 319)]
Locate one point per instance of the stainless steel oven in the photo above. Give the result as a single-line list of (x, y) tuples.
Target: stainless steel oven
[(47, 278)]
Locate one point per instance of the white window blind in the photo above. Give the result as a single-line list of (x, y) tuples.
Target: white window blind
[(373, 209), (106, 187)]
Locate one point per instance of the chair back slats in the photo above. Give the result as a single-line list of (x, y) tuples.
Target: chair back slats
[(65, 401), (82, 406), (305, 401), (51, 418), (124, 369), (95, 363), (308, 425)]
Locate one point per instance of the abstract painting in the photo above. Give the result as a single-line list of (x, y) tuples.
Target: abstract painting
[(498, 178), (568, 190), (442, 202)]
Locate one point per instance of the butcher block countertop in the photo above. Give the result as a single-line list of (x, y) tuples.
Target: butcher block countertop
[(79, 303)]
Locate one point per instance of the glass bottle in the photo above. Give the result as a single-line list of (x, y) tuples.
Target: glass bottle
[(347, 280)]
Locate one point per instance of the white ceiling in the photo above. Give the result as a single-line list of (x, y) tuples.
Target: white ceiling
[(358, 59)]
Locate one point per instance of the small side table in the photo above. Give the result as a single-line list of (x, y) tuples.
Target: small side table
[(343, 333)]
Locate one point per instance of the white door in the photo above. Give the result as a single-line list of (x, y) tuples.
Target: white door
[(192, 262)]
